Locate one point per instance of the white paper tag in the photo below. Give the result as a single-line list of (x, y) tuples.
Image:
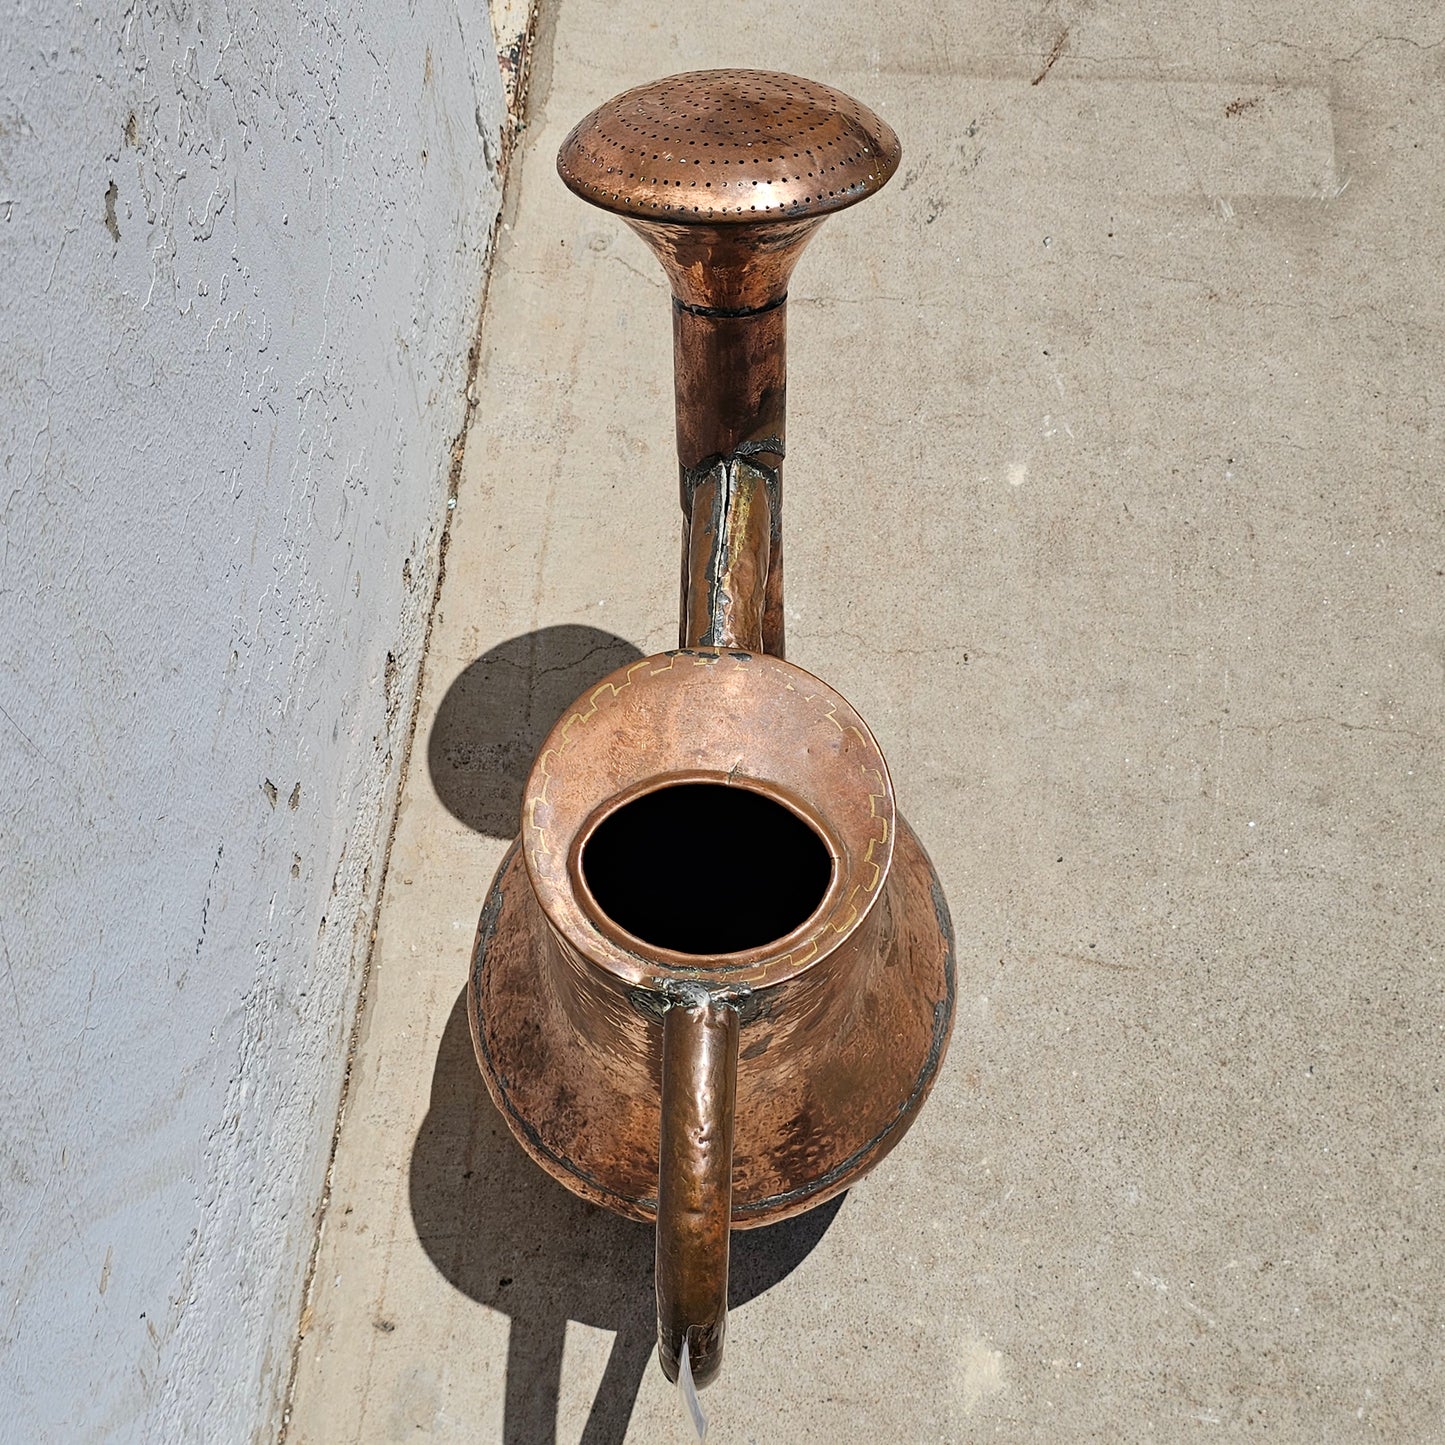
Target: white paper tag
[(685, 1388)]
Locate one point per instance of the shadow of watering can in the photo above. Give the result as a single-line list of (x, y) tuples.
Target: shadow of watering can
[(713, 978)]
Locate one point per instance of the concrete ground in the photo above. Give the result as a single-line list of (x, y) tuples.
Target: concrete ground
[(1114, 469)]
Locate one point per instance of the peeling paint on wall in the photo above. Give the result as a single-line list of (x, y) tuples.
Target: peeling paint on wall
[(243, 249)]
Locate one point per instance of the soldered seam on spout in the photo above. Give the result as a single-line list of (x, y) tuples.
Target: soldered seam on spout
[(733, 538), (718, 568), (693, 477)]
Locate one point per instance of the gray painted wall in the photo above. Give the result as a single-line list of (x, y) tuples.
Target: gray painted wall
[(242, 244)]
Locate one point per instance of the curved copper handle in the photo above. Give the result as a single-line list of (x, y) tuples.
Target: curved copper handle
[(695, 1180)]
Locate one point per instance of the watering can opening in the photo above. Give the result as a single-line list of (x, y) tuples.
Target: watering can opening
[(706, 868)]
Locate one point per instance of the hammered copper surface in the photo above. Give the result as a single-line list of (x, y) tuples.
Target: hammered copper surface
[(709, 715), (832, 1067), (845, 1016)]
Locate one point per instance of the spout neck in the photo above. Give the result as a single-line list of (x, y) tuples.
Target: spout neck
[(729, 270), (730, 375)]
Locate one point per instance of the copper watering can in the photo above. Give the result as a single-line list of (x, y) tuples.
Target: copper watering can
[(713, 979)]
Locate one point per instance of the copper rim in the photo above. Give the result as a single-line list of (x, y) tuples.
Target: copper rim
[(786, 735)]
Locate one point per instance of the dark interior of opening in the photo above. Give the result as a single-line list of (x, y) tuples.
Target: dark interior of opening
[(705, 868)]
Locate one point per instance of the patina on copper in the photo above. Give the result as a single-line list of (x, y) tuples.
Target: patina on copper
[(757, 1013)]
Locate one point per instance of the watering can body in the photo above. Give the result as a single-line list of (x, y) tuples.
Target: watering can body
[(713, 979), (837, 1028)]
